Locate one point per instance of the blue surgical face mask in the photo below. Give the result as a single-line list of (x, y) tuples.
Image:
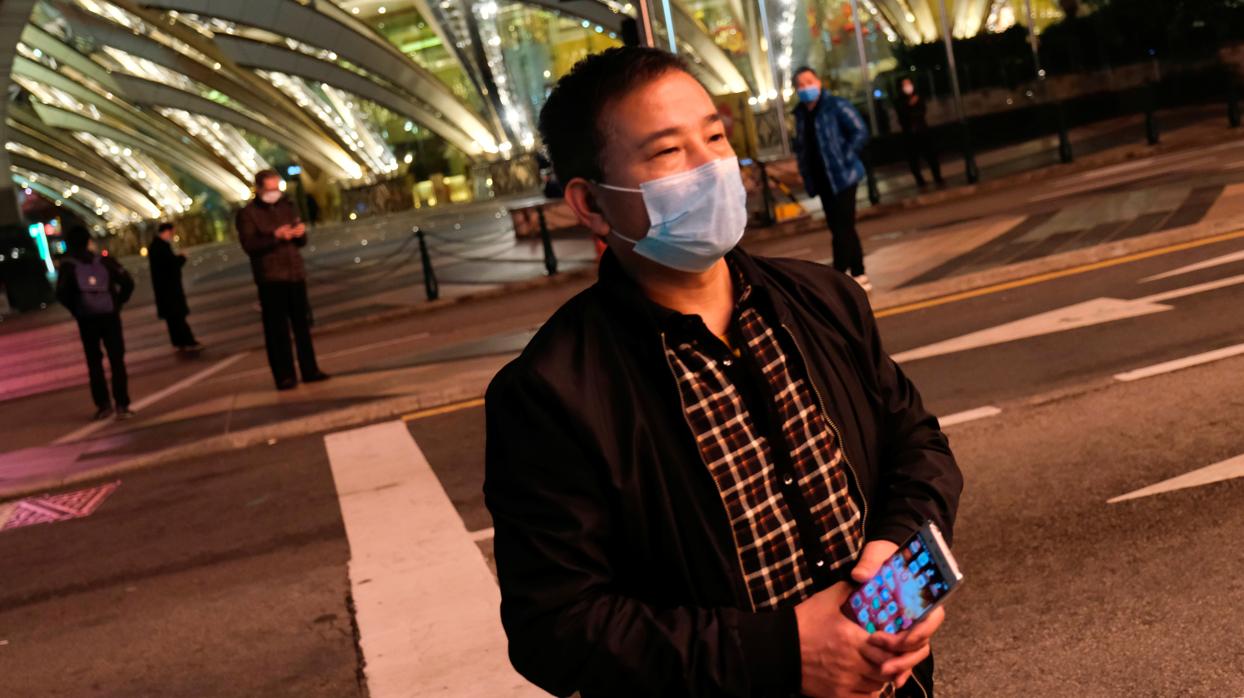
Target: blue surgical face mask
[(695, 217), (808, 95)]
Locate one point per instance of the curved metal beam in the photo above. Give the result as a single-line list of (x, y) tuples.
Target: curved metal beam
[(255, 54), (183, 157), (52, 195), (129, 197), (351, 40), (14, 16), (142, 91)]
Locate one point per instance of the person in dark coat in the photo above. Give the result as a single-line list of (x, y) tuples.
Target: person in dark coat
[(170, 297), (911, 111), (829, 136), (93, 288), (270, 231), (698, 458)]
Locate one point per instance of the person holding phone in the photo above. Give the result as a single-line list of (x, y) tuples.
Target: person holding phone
[(697, 459), (271, 233)]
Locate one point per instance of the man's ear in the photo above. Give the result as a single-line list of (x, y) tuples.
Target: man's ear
[(581, 199)]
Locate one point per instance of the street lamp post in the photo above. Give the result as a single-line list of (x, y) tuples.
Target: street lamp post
[(874, 194), (779, 103), (646, 37), (969, 159), (1065, 154)]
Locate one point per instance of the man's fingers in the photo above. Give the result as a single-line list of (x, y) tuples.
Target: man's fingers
[(875, 655), (904, 663), (913, 639), (902, 680)]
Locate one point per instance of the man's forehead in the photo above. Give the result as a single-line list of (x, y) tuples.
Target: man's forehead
[(674, 100)]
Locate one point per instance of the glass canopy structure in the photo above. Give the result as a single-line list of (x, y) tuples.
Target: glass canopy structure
[(126, 111)]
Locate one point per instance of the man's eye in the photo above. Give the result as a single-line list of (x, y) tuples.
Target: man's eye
[(667, 151), (716, 137)]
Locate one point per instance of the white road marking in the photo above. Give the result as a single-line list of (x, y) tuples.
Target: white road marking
[(1226, 470), (484, 534), (1179, 364), (969, 416), (1207, 264), (146, 402), (1094, 312), (426, 602), (1086, 314)]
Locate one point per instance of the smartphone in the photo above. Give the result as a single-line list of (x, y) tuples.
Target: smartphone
[(915, 580)]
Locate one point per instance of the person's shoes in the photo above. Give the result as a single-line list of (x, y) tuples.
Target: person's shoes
[(287, 384), (191, 348), (317, 377), (102, 413), (862, 280), (124, 413)]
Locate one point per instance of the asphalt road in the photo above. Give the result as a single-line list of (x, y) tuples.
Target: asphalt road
[(227, 576)]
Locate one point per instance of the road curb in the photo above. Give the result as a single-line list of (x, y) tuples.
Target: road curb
[(889, 301), (304, 426)]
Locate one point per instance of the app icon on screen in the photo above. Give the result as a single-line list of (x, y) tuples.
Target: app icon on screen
[(915, 546), (923, 559), (857, 602), (885, 593), (863, 616), (892, 608), (876, 603)]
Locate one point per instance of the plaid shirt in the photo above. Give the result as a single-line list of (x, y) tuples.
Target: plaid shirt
[(773, 454)]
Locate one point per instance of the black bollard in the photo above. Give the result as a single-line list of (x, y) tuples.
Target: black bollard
[(430, 287), (550, 259), (766, 193), (969, 156), (1065, 154), (1151, 120), (870, 175), (1233, 105)]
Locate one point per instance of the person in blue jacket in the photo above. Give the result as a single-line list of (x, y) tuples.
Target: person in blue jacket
[(829, 136)]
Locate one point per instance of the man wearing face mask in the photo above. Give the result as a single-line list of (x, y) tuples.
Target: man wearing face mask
[(910, 108), (271, 232), (829, 136), (693, 460)]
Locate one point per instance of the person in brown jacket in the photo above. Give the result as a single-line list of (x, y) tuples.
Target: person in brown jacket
[(271, 232)]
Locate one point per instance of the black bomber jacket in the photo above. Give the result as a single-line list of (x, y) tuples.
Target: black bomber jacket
[(615, 557)]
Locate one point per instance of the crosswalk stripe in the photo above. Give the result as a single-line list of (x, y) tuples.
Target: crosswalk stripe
[(426, 602)]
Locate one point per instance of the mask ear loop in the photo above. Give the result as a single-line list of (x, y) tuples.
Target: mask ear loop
[(612, 230)]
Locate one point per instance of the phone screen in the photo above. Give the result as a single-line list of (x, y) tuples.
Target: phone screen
[(907, 587)]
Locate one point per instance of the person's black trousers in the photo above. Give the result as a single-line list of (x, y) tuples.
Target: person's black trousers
[(840, 216), (179, 332), (105, 330), (284, 305), (921, 146)]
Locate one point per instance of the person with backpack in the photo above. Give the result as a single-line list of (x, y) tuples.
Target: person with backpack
[(93, 288)]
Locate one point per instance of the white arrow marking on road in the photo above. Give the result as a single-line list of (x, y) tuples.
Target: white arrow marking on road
[(1226, 470), (1094, 312), (1088, 313), (1207, 264)]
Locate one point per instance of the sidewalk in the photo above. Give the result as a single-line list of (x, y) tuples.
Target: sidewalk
[(392, 361)]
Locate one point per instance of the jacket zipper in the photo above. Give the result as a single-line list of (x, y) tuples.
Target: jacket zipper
[(747, 592), (825, 413)]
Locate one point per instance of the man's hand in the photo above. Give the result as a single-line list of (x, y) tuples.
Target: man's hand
[(837, 658), (875, 553), (282, 232), (297, 230), (909, 647)]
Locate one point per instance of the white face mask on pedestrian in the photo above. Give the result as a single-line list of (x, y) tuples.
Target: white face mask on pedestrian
[(270, 197), (695, 217)]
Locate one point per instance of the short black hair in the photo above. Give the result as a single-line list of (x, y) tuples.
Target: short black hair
[(264, 175), (801, 70), (569, 121), (77, 237), (164, 226)]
